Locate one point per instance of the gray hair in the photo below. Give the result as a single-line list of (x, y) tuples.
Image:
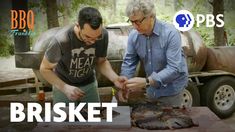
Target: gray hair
[(145, 6)]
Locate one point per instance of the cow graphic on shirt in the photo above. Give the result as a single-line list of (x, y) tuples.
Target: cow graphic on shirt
[(90, 51), (77, 51), (81, 62)]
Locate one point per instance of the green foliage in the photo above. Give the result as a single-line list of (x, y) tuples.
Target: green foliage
[(6, 46), (112, 16), (230, 26), (40, 5), (207, 35), (6, 41), (165, 10), (77, 4), (204, 7)]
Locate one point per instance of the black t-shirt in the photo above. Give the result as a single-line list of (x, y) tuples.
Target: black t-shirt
[(75, 59)]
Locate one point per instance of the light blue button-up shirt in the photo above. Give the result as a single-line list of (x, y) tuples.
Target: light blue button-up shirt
[(162, 56)]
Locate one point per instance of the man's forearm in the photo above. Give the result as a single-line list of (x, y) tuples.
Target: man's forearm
[(52, 78), (106, 69)]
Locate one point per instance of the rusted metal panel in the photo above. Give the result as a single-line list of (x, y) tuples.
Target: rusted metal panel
[(194, 49), (210, 73), (220, 58), (28, 59)]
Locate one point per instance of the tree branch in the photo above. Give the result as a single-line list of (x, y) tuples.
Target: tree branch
[(211, 2)]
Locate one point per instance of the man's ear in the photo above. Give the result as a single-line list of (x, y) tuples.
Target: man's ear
[(153, 16), (77, 24)]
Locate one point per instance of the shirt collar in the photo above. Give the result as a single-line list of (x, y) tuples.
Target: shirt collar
[(157, 27)]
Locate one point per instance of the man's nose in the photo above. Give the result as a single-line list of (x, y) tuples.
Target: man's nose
[(135, 25), (92, 41)]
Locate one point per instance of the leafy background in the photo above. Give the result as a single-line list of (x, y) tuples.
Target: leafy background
[(113, 11)]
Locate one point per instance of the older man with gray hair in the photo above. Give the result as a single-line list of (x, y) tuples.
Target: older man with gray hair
[(158, 45)]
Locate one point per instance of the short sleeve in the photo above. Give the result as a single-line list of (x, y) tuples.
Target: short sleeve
[(53, 51), (102, 45)]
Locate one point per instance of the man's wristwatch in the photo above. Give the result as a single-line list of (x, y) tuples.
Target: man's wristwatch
[(147, 84)]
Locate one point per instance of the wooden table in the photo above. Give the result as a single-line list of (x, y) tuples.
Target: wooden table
[(207, 120)]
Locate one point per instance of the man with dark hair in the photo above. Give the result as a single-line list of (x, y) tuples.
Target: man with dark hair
[(70, 59)]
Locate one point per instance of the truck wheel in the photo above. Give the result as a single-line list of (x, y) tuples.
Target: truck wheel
[(219, 96), (191, 96)]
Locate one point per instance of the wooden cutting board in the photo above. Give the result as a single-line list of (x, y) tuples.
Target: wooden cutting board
[(121, 121)]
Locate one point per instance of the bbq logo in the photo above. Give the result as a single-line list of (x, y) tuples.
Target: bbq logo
[(22, 22), (183, 20)]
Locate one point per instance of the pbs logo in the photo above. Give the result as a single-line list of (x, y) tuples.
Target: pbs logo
[(183, 20)]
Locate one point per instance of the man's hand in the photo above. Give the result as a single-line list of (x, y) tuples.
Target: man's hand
[(119, 82), (121, 91), (135, 84), (122, 95), (73, 93)]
